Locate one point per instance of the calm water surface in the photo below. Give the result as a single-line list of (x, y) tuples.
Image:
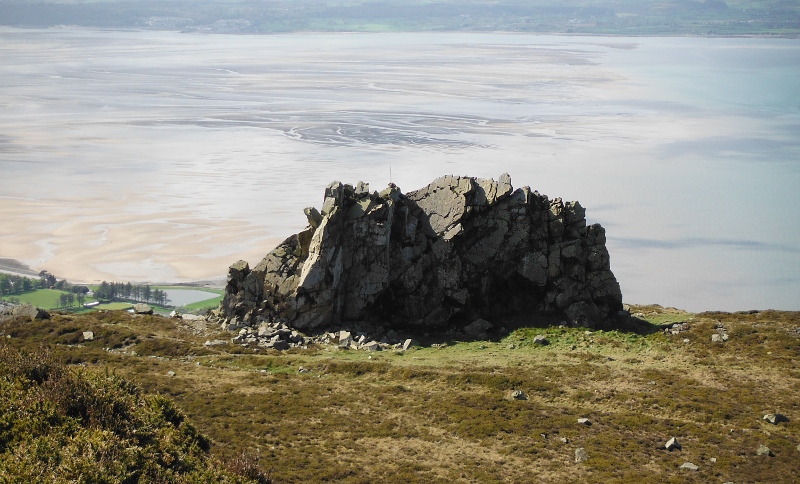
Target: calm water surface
[(687, 150), (184, 297)]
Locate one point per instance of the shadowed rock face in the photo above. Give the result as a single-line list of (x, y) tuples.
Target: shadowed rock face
[(456, 250)]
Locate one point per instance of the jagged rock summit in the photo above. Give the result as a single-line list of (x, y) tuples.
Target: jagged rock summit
[(457, 250)]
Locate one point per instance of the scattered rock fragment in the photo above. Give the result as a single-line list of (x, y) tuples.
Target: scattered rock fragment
[(519, 395), (584, 421), (216, 342), (171, 373), (689, 466), (142, 309), (345, 339), (764, 450), (580, 455), (175, 315), (88, 335), (278, 345), (721, 334), (407, 344), (540, 339), (776, 418), (371, 346), (672, 444), (564, 440), (676, 328)]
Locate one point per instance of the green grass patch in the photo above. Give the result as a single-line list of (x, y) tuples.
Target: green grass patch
[(44, 298), (204, 305)]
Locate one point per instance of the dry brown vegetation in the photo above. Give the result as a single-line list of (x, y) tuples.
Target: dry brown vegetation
[(444, 414)]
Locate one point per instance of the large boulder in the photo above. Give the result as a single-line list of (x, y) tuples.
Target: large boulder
[(24, 310), (452, 252), (142, 308)]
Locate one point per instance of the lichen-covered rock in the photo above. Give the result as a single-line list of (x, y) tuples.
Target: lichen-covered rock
[(457, 250)]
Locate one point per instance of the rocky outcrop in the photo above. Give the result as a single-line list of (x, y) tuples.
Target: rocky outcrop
[(24, 310), (457, 250)]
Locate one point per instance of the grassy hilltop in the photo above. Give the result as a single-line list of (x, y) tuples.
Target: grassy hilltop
[(444, 412)]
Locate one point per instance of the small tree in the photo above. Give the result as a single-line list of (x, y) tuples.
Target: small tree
[(102, 291), (48, 280)]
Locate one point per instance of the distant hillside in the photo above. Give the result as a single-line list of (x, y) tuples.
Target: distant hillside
[(622, 17)]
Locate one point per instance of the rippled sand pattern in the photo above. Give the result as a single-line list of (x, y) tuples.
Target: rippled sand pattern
[(165, 156)]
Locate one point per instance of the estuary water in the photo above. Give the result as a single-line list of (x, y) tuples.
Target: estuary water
[(161, 156)]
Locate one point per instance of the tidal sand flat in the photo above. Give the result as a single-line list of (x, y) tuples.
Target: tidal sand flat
[(157, 156)]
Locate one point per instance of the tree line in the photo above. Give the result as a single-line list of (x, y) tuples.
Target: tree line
[(70, 300), (131, 292), (16, 284), (13, 284)]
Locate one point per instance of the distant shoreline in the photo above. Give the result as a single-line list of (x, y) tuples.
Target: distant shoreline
[(17, 268), (794, 36), (590, 17)]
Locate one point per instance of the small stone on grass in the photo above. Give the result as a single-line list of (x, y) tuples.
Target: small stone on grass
[(764, 450), (672, 444), (775, 418)]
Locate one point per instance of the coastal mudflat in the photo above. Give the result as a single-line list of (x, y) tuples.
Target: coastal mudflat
[(158, 156)]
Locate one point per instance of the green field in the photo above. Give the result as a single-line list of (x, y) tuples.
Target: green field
[(204, 305), (215, 297), (49, 298), (44, 298)]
